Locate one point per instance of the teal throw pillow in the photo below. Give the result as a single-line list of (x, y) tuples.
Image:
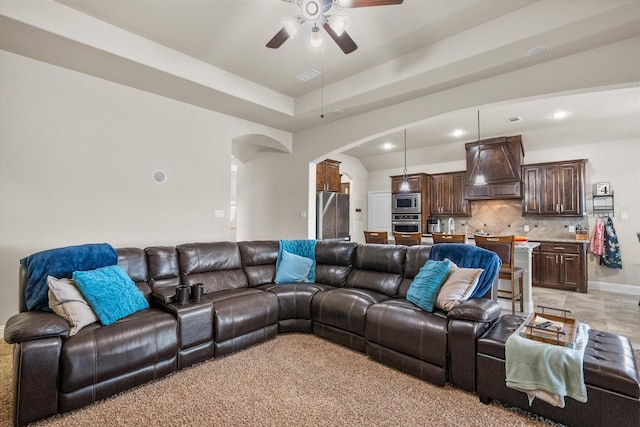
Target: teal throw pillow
[(425, 285), (293, 268), (110, 292)]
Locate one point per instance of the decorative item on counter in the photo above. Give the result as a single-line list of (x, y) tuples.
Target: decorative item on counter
[(581, 232)]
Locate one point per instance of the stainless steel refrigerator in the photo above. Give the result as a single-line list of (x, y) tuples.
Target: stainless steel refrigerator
[(332, 217)]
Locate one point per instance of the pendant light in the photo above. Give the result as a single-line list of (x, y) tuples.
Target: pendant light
[(480, 179), (405, 180)]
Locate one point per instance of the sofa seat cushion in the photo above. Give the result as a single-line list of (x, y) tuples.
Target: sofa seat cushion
[(244, 313), (345, 308), (400, 325), (100, 353)]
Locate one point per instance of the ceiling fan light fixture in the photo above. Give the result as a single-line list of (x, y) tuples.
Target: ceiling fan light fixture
[(338, 23), (315, 39), (292, 25)]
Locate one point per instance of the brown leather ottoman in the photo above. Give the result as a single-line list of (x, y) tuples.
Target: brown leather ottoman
[(610, 373)]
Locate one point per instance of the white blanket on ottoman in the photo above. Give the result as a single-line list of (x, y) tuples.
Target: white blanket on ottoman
[(548, 372)]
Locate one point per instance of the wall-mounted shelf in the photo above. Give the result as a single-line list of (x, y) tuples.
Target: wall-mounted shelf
[(603, 205)]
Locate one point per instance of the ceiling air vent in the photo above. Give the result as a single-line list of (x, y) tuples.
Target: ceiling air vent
[(515, 119), (308, 75)]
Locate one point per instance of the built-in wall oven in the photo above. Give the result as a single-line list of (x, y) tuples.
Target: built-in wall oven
[(406, 223), (406, 203)]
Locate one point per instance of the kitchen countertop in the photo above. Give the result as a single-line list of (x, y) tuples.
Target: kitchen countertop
[(537, 239)]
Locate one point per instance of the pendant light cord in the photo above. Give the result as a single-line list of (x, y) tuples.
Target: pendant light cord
[(405, 154)]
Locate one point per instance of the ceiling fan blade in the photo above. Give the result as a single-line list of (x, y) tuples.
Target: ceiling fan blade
[(344, 41), (367, 3), (277, 40)]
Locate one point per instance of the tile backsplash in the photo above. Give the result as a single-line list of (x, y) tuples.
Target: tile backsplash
[(505, 217)]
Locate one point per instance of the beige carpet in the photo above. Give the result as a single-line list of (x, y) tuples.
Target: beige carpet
[(293, 380)]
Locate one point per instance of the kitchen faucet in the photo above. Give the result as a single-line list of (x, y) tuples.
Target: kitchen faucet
[(452, 226)]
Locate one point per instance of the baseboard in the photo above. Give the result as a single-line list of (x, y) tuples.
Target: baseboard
[(1, 331), (614, 287)]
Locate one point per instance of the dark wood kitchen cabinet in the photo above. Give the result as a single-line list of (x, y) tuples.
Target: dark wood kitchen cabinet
[(448, 195), (561, 265), (417, 183), (328, 176), (554, 189)]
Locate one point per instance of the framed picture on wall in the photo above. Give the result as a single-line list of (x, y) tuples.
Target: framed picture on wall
[(602, 188)]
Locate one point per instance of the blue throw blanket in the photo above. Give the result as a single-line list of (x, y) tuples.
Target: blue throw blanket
[(305, 248), (469, 256), (61, 263)]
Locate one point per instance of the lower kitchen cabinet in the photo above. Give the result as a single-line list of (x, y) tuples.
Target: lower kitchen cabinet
[(560, 265)]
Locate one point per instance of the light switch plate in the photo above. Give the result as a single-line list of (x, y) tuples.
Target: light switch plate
[(526, 228), (219, 213)]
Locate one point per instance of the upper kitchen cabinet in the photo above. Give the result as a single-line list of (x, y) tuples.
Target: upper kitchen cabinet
[(555, 189), (447, 195), (328, 176), (417, 183), (499, 161)]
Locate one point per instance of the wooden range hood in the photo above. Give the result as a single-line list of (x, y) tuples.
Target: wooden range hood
[(499, 160)]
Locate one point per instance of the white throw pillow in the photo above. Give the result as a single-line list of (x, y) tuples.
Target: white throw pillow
[(66, 300), (458, 287)]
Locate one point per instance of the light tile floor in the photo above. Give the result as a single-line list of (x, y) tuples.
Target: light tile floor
[(605, 311)]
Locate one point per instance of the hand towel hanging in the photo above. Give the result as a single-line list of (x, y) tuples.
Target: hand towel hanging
[(596, 245)]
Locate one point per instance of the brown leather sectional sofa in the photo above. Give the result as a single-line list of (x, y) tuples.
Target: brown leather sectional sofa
[(357, 300)]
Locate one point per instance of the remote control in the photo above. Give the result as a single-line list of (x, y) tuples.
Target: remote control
[(545, 324)]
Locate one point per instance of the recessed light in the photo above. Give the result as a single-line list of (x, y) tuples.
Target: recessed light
[(559, 115), (538, 50), (514, 119), (458, 133), (387, 146)]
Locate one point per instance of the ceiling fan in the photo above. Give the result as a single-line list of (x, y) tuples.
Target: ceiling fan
[(316, 11)]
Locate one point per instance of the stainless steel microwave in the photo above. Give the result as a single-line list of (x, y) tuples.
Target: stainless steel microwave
[(406, 203)]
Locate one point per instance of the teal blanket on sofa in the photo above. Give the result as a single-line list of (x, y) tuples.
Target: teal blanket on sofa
[(305, 248)]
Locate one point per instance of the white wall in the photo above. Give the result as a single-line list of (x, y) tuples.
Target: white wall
[(76, 158)]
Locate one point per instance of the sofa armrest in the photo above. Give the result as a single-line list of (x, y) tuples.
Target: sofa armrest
[(31, 325), (477, 310), (467, 322)]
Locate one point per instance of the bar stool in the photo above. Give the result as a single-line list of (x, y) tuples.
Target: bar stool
[(407, 239), (503, 246), (376, 237), (448, 238)]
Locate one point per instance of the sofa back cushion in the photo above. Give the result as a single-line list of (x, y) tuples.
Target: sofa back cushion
[(378, 268), (164, 273), (415, 258), (216, 265), (133, 261), (259, 261), (334, 261)]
